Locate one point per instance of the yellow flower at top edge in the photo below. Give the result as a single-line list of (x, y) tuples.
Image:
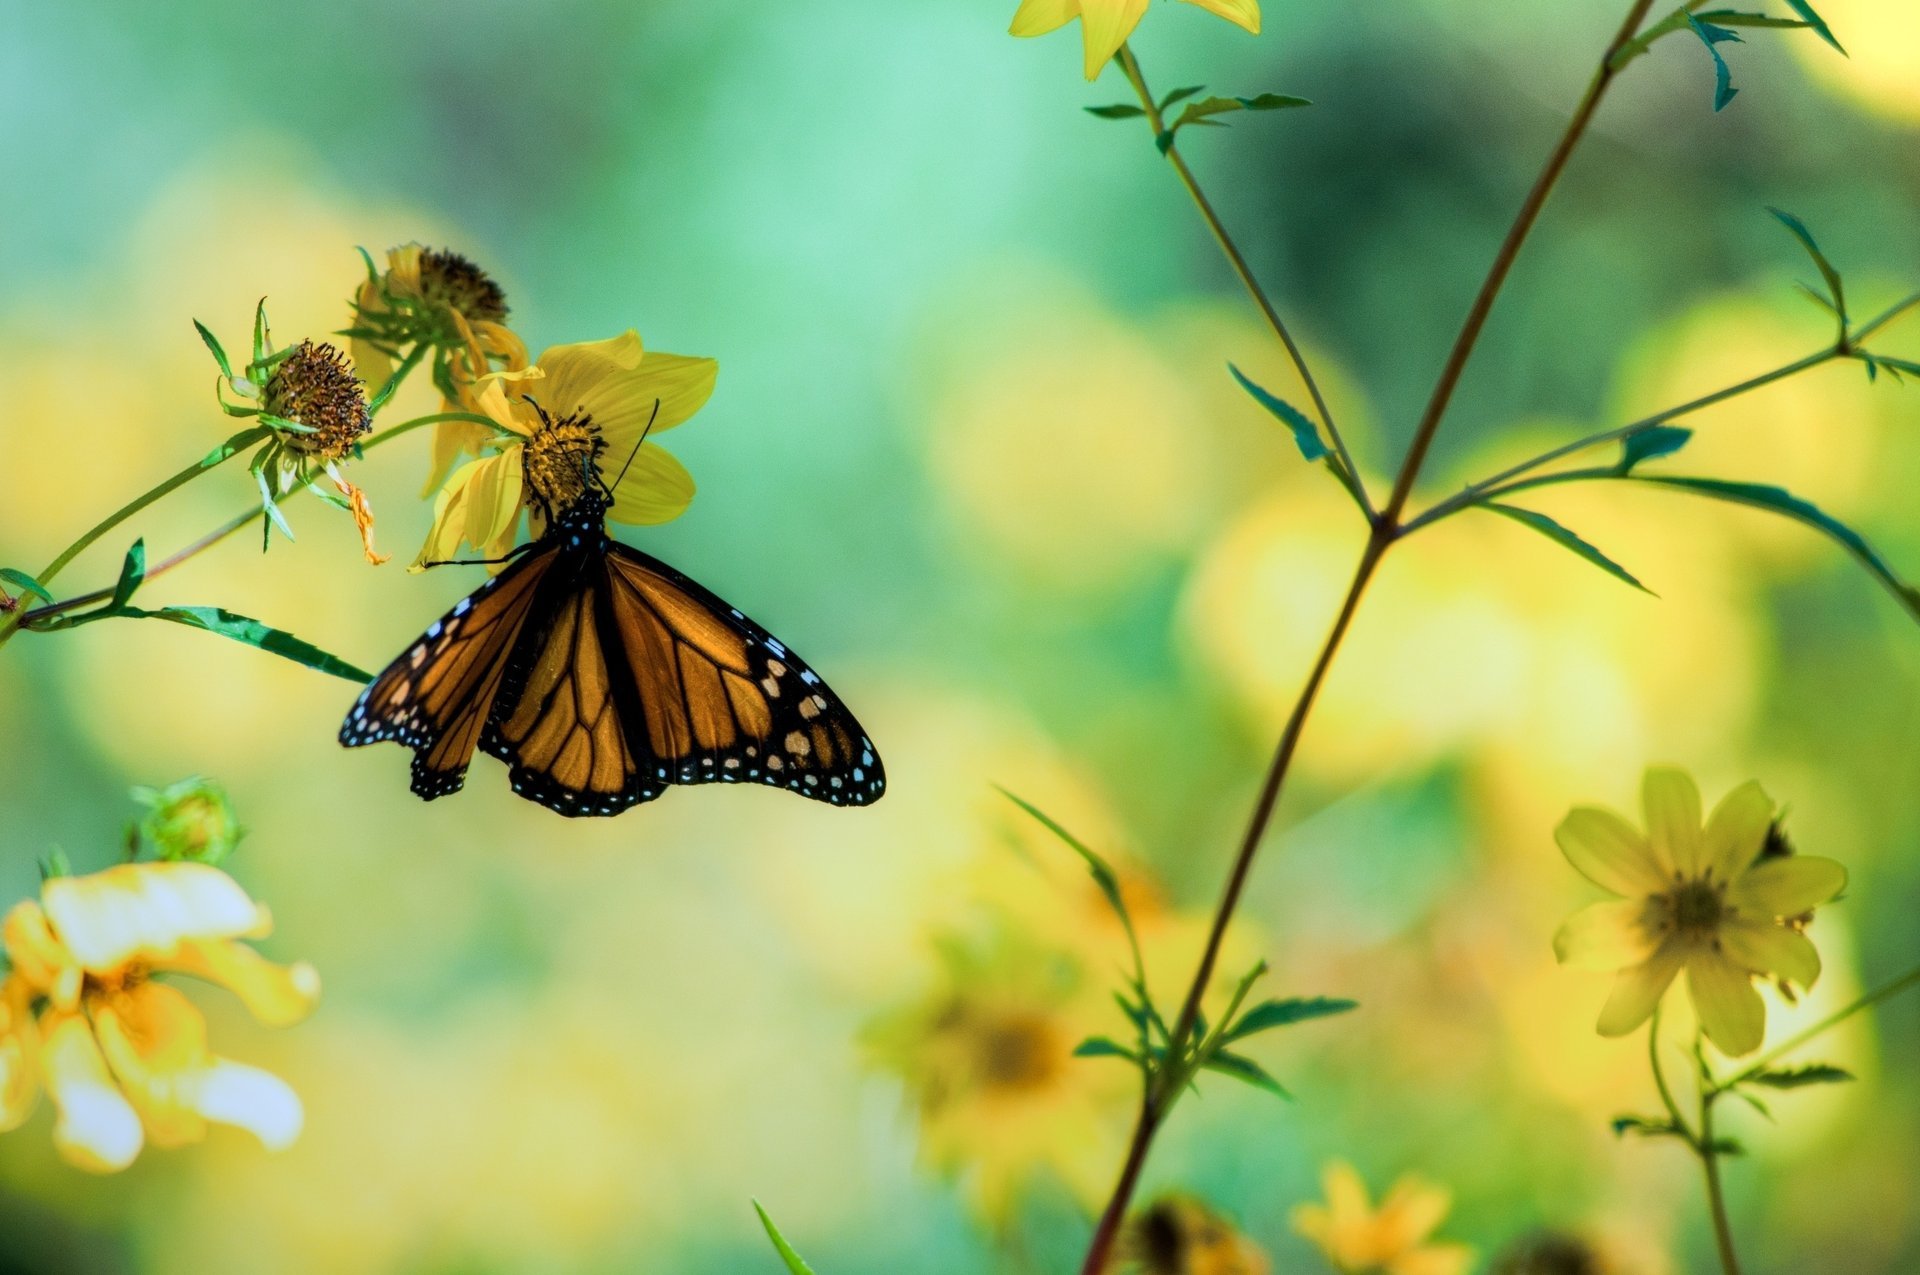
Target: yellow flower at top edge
[(1105, 25), (574, 418), (124, 1057), (1700, 899), (1359, 1239), (443, 300)]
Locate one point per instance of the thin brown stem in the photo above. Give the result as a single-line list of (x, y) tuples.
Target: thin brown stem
[(1385, 528), (160, 568), (1709, 1152), (1231, 251)]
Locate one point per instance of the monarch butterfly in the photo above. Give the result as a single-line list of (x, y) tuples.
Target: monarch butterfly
[(601, 676)]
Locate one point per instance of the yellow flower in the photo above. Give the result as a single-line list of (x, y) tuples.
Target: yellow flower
[(987, 1059), (1359, 1239), (1693, 899), (441, 300), (1178, 1235), (1106, 24), (125, 1057), (572, 419)]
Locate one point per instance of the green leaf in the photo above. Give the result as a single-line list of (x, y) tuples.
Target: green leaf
[(1284, 1013), (1646, 1128), (1827, 272), (276, 518), (1118, 111), (1103, 874), (260, 336), (1306, 435), (1800, 1077), (20, 579), (1815, 21), (1181, 95), (1650, 444), (1787, 505), (1567, 540), (1203, 111), (1711, 35), (1738, 18), (252, 632), (794, 1265), (1753, 1102), (133, 570), (1103, 1047), (213, 344), (1246, 1069)]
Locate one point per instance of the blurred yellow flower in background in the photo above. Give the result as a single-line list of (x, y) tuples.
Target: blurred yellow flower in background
[(1359, 1239), (1179, 1235), (123, 1057), (578, 412), (439, 299), (1105, 25), (986, 1055), (1702, 901)]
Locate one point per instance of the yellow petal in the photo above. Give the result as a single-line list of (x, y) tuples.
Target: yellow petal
[(625, 391), (1433, 1259), (97, 1129), (501, 342), (146, 910), (1610, 852), (1409, 1214), (1736, 830), (277, 995), (657, 489), (38, 957), (19, 1053), (1637, 990), (248, 1098), (1766, 948), (1037, 17), (1787, 887), (1605, 936), (1730, 1009), (451, 441), (493, 498), (1673, 818), (1245, 13), (1105, 26), (154, 1039)]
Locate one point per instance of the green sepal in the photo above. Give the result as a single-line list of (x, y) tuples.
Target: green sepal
[(795, 1265), (213, 345)]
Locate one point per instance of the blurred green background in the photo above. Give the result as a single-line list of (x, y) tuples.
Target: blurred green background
[(974, 452)]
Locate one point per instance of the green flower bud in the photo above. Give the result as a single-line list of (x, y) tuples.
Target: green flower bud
[(191, 820)]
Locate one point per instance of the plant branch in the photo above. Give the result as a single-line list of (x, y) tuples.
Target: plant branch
[(1793, 1042), (1131, 66), (1709, 1153), (1153, 1109)]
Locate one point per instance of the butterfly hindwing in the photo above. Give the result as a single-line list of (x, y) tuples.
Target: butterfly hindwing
[(722, 700), (437, 696)]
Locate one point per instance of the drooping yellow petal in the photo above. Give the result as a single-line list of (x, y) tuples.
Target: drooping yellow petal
[(1105, 26), (1409, 1214), (1788, 886), (19, 1053), (403, 269), (1244, 13), (37, 957), (1037, 17), (451, 441), (97, 1128), (145, 910), (1610, 852), (276, 995), (1673, 818), (1433, 1259), (493, 498), (1731, 1012), (1605, 936), (154, 1039), (247, 1098), (657, 489), (1736, 830), (1637, 990), (1766, 948), (370, 363)]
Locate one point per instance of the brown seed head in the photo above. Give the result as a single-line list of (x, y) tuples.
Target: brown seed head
[(315, 386), (452, 280), (560, 459)]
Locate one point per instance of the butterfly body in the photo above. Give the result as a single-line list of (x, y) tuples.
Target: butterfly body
[(602, 677)]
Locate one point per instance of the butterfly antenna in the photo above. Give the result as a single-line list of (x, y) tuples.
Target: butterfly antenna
[(651, 418)]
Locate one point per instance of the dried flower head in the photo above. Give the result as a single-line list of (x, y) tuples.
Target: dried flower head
[(1179, 1235), (313, 386)]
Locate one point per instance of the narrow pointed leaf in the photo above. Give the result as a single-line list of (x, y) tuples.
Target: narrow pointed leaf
[(213, 346), (21, 580), (1786, 504), (133, 570), (253, 633), (1711, 35), (1103, 874), (1827, 272), (1800, 1077), (1246, 1069), (1815, 21), (1284, 1013), (1651, 444), (1306, 434), (795, 1266), (1567, 540), (1181, 95), (1740, 18), (1118, 111), (1103, 1047)]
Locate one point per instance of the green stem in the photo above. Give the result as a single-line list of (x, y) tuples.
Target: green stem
[(1486, 488), (1231, 250), (392, 385), (1710, 1162), (1793, 1042), (1893, 312), (1385, 529), (1660, 1082)]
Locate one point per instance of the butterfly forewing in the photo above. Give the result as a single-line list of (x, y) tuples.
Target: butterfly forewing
[(724, 701)]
